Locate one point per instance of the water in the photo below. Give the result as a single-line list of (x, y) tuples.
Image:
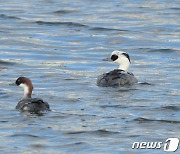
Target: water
[(60, 46)]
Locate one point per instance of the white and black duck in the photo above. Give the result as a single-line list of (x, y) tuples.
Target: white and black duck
[(120, 76)]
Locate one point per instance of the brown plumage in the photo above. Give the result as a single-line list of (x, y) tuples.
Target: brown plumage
[(27, 103)]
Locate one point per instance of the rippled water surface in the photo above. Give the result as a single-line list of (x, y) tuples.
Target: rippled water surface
[(60, 46)]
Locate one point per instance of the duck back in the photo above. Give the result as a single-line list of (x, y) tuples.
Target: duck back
[(115, 78)]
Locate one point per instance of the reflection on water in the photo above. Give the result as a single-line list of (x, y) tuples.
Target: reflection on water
[(61, 47)]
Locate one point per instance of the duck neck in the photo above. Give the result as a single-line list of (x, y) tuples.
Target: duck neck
[(27, 91), (124, 67)]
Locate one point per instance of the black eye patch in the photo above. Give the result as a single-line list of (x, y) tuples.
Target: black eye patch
[(126, 55), (114, 57), (18, 82)]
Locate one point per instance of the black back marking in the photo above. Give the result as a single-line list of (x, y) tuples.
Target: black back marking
[(126, 55)]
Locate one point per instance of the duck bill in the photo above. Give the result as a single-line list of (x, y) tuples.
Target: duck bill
[(107, 59), (12, 84)]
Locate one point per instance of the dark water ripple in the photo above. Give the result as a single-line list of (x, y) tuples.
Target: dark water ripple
[(79, 25), (107, 29), (2, 63), (173, 108), (60, 12), (97, 132), (4, 16), (24, 135), (144, 120), (163, 50), (73, 24)]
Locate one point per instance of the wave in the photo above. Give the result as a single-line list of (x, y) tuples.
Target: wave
[(25, 135), (113, 106), (162, 50), (3, 16), (96, 132), (143, 120), (145, 83), (74, 24), (61, 23), (107, 29), (175, 8), (64, 11), (170, 107), (6, 63)]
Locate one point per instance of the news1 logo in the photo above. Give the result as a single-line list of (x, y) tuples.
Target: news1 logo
[(171, 145)]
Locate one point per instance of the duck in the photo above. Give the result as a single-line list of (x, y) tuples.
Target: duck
[(120, 76), (27, 103)]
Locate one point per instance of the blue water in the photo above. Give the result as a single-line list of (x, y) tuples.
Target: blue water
[(60, 46)]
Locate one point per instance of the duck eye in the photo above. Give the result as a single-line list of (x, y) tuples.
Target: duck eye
[(114, 57), (18, 82)]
